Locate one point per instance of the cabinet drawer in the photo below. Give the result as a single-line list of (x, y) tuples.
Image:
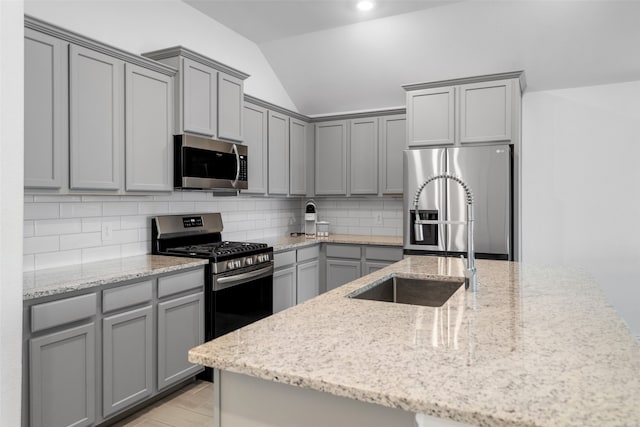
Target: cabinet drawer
[(307, 254), (56, 313), (383, 253), (126, 296), (284, 258), (343, 251), (181, 282)]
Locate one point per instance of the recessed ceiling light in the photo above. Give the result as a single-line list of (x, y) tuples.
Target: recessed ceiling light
[(365, 5)]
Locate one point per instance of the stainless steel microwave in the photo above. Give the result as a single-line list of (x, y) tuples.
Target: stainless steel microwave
[(208, 164)]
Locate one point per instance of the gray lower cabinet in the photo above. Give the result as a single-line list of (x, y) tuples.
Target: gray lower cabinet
[(363, 156), (284, 288), (371, 266), (180, 328), (345, 263), (46, 113), (62, 383), (331, 158), (297, 157), (96, 120), (148, 130), (341, 271), (255, 138), (278, 131), (308, 281), (127, 359), (392, 143)]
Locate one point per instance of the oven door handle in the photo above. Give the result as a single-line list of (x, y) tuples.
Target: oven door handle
[(226, 282)]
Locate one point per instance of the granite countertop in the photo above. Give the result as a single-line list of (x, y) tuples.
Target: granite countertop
[(53, 281), (294, 242), (533, 347)]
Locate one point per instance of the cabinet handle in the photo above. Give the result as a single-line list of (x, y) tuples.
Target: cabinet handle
[(235, 181)]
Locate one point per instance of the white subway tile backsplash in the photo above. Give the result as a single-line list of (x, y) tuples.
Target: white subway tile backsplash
[(80, 210), (41, 210), (91, 225), (28, 262), (357, 216), (28, 229), (80, 240), (57, 259), (125, 236), (182, 207), (56, 198), (119, 208), (100, 253), (153, 208), (134, 221), (194, 196), (48, 227), (35, 245), (137, 248)]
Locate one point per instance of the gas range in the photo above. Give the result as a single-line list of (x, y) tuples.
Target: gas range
[(226, 256)]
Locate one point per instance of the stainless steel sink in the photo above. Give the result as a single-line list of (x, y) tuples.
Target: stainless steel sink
[(428, 292)]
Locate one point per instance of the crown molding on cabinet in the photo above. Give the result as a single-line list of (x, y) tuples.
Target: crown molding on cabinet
[(359, 115), (174, 51), (475, 79), (273, 107), (80, 40)]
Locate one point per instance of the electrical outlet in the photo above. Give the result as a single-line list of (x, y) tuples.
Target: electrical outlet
[(377, 218), (107, 232)]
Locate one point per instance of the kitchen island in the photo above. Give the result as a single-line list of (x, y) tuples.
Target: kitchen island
[(533, 347)]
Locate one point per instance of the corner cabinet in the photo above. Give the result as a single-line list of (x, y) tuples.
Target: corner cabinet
[(209, 96), (97, 119), (470, 110)]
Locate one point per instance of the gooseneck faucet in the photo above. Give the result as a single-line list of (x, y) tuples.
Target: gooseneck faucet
[(470, 273)]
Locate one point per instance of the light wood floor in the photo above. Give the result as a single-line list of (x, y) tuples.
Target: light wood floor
[(191, 406)]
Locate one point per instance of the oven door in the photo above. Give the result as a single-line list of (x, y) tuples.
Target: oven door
[(241, 298)]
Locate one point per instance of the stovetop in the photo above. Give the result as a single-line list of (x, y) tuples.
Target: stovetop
[(216, 250)]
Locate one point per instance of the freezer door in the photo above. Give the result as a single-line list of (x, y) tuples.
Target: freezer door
[(418, 166), (487, 171)]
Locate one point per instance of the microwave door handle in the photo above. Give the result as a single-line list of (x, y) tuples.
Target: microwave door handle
[(235, 150)]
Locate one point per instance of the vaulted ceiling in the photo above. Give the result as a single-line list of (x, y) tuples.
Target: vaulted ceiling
[(330, 62)]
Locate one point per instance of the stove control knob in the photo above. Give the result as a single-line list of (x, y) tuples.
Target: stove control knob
[(249, 261), (230, 265), (238, 263)]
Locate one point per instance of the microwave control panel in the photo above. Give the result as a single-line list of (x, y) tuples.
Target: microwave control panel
[(243, 168)]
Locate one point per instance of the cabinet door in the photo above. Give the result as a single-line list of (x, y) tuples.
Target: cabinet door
[(62, 380), (297, 157), (180, 328), (199, 98), (230, 103), (45, 110), (340, 272), (127, 355), (393, 131), (148, 130), (308, 281), (485, 111), (278, 153), (431, 116), (97, 111), (331, 158), (363, 157), (284, 289), (255, 137), (370, 266)]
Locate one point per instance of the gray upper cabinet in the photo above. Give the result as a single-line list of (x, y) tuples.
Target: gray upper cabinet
[(127, 373), (96, 128), (392, 143), (433, 116), (46, 113), (209, 95), (331, 158), (297, 157), (200, 94), (485, 111), (230, 103), (363, 158), (62, 378), (148, 130), (278, 153), (255, 137)]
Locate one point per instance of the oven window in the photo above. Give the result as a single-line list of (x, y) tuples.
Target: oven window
[(239, 305), (200, 163)]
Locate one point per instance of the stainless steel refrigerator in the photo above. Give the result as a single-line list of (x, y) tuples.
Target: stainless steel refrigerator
[(487, 170)]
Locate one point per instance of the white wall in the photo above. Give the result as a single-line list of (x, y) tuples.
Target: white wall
[(580, 178), (65, 230), (140, 26), (11, 173)]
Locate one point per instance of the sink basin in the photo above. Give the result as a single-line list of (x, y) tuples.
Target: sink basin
[(427, 292)]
